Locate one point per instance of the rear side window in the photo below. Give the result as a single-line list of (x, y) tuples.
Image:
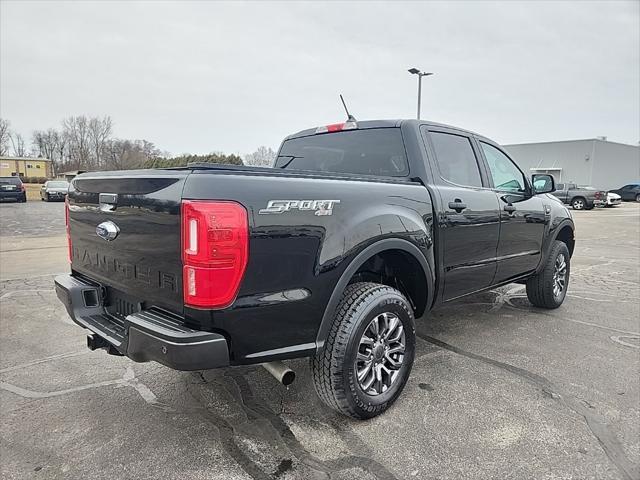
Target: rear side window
[(10, 181), (456, 161), (374, 151), (559, 186)]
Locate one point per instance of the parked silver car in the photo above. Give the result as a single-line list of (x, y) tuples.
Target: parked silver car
[(54, 190)]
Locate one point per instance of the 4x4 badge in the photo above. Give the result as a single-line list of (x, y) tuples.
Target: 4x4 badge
[(107, 230)]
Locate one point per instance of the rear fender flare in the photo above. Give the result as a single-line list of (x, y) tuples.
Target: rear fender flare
[(357, 262)]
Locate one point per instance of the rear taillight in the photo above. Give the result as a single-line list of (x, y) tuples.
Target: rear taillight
[(215, 250), (23, 188), (66, 222), (598, 195)]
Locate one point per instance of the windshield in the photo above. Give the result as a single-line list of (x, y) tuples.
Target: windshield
[(375, 151), (58, 184)]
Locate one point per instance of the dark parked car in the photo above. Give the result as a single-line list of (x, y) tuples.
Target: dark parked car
[(54, 190), (357, 230), (629, 193), (12, 188), (580, 198)]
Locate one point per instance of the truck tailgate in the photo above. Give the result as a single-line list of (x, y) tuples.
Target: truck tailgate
[(125, 235)]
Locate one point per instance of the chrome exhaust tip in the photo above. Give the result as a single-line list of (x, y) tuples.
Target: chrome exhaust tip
[(280, 372)]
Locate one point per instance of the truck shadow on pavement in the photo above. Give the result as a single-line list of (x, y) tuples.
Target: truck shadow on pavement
[(273, 432)]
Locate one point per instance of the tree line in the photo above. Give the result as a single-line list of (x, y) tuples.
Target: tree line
[(87, 143)]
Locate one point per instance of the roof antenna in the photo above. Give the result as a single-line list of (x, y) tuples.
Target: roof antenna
[(350, 118)]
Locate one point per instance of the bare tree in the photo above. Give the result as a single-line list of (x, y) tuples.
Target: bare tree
[(17, 145), (262, 157), (4, 136), (99, 133), (76, 131), (47, 144), (127, 154)]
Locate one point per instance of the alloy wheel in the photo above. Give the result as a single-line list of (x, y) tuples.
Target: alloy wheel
[(559, 275), (380, 354)]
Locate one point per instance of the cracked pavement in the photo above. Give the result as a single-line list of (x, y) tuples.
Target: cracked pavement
[(499, 389)]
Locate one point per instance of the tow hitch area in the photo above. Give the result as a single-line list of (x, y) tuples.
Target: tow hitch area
[(94, 342)]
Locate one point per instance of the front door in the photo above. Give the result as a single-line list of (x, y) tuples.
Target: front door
[(522, 216), (468, 216)]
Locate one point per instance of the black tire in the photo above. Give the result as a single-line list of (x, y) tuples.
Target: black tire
[(334, 368), (638, 197), (540, 287), (47, 198), (578, 203)]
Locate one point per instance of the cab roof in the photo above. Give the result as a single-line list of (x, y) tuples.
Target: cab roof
[(366, 124)]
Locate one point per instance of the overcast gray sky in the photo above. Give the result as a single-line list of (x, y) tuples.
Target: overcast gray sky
[(207, 76)]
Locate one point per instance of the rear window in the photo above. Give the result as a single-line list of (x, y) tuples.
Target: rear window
[(10, 181), (375, 151)]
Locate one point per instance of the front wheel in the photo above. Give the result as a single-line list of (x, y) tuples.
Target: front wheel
[(548, 288), (638, 197), (367, 357)]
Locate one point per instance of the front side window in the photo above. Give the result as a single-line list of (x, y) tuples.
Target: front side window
[(455, 158), (506, 176)]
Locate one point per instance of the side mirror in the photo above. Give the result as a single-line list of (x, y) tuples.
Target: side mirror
[(543, 183)]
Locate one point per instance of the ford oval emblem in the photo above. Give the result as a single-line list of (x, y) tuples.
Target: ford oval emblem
[(107, 231)]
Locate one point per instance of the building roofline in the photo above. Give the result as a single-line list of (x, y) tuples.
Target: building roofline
[(33, 159), (569, 141)]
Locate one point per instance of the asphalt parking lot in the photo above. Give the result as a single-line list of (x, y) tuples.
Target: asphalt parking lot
[(499, 389)]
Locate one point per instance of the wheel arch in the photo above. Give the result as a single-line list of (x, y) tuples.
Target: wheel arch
[(392, 251), (565, 233)]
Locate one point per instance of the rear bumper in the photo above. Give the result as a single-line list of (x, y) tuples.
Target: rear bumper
[(13, 195), (152, 334)]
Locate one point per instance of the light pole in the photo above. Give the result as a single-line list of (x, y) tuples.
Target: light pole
[(415, 71)]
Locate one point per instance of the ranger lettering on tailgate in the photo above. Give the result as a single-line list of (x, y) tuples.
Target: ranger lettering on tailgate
[(129, 271)]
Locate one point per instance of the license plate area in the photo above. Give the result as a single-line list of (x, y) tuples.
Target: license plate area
[(118, 304)]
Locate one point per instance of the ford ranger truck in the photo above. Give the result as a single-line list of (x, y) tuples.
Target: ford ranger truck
[(359, 229)]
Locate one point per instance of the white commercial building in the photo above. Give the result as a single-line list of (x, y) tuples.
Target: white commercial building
[(596, 161)]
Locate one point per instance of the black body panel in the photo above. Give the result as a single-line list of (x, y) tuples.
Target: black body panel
[(144, 261)]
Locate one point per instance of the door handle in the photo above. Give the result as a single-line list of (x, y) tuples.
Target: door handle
[(509, 208), (458, 206)]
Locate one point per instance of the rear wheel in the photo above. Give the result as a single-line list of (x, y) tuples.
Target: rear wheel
[(548, 288), (578, 203), (367, 357)]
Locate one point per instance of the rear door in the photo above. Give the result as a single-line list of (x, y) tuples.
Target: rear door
[(125, 234), (522, 215), (469, 217)]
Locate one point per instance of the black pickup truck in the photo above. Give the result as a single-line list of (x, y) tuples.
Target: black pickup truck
[(358, 229)]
